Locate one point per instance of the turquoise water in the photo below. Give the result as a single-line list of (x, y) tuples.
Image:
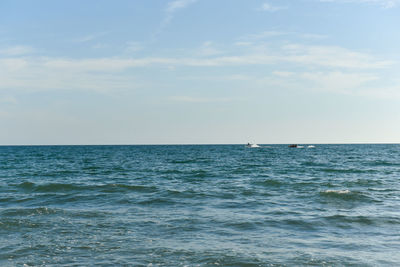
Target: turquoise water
[(222, 205)]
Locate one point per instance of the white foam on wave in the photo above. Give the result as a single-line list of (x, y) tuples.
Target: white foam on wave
[(337, 191)]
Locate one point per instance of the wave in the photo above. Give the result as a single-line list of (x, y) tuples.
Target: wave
[(18, 224), (188, 161), (183, 161), (333, 170), (111, 188), (157, 201), (244, 225), (363, 182), (345, 195), (314, 164), (29, 211), (64, 187), (173, 171), (199, 174), (185, 194), (346, 220), (330, 191), (270, 183), (383, 163)]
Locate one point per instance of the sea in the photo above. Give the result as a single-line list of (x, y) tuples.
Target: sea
[(200, 205)]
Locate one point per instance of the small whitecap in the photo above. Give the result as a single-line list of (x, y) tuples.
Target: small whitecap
[(337, 191)]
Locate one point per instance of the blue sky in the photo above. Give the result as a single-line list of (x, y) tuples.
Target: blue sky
[(199, 71)]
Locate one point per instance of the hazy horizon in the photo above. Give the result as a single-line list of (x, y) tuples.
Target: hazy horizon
[(199, 144)]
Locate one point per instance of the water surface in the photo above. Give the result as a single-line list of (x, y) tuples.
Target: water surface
[(222, 205)]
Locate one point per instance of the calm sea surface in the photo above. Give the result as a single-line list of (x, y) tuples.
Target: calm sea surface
[(223, 205)]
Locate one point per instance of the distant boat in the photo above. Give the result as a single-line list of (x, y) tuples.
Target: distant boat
[(296, 146), (252, 145), (311, 146)]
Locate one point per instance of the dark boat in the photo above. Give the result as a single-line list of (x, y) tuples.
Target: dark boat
[(292, 145)]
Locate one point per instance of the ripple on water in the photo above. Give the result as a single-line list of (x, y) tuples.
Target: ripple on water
[(345, 195), (199, 205), (40, 211), (69, 187)]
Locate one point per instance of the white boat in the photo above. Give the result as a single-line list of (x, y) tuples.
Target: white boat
[(252, 145)]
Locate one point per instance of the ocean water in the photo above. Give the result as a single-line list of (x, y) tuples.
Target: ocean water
[(202, 205)]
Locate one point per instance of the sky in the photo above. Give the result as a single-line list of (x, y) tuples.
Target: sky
[(199, 71)]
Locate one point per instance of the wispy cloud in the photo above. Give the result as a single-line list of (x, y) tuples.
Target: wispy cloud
[(349, 83), (271, 8), (64, 72), (89, 37), (338, 81), (332, 56), (35, 74), (208, 48), (328, 56), (314, 36), (178, 4), (386, 4), (132, 47), (274, 33), (16, 50), (172, 8), (263, 35), (283, 74), (319, 65)]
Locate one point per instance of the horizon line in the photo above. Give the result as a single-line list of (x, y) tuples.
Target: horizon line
[(206, 144)]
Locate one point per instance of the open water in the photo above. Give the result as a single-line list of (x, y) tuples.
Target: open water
[(222, 205)]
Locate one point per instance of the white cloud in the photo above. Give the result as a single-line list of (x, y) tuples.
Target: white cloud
[(263, 35), (208, 49), (16, 50), (353, 83), (132, 47), (178, 4), (327, 56), (332, 56), (337, 81), (320, 65), (12, 64), (271, 8), (89, 37), (314, 36), (284, 74), (46, 74), (172, 8), (382, 3)]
